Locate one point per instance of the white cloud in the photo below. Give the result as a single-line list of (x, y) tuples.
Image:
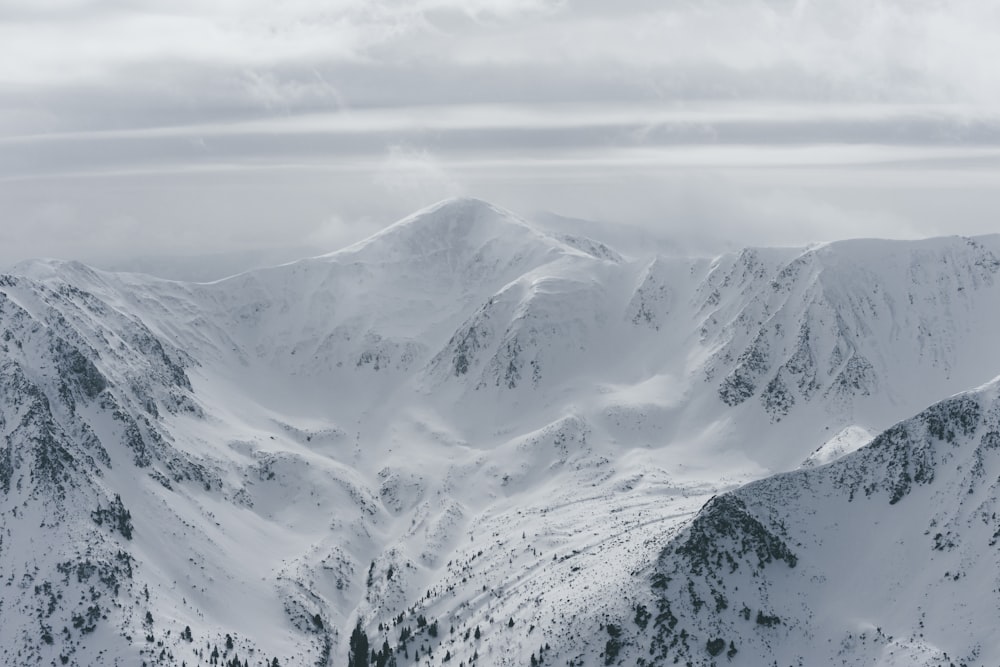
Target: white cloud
[(414, 177), (127, 123), (79, 40)]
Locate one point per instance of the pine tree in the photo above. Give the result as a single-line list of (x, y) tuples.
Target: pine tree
[(384, 656), (358, 655)]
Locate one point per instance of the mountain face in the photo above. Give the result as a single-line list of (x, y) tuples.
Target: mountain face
[(885, 556), (473, 439)]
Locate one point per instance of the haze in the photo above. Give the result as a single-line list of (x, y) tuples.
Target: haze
[(135, 130)]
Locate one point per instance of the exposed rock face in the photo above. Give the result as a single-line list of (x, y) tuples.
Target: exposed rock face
[(916, 511)]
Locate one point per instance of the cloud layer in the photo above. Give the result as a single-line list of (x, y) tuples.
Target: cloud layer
[(144, 127)]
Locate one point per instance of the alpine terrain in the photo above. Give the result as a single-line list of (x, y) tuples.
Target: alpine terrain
[(475, 439)]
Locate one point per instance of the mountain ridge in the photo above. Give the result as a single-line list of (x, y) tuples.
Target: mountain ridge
[(775, 522), (501, 426)]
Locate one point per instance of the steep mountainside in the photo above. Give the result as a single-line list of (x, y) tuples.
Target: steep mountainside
[(473, 436), (888, 556)]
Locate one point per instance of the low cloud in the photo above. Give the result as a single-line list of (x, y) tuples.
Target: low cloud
[(413, 177)]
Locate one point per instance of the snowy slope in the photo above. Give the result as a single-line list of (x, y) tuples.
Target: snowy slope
[(886, 557), (466, 418)]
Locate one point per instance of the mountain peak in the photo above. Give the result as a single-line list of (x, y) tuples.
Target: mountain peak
[(455, 222), (465, 240), (462, 206)]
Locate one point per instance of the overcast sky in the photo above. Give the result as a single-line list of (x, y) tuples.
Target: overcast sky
[(150, 127)]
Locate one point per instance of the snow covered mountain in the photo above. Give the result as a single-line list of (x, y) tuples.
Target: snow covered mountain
[(887, 556), (478, 439)]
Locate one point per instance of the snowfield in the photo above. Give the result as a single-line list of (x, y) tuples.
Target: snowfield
[(488, 441)]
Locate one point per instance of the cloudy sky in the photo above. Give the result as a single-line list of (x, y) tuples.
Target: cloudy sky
[(145, 127)]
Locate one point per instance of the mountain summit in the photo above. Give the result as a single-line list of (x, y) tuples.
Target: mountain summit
[(460, 224)]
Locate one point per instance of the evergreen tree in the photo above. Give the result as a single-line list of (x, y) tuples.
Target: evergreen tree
[(358, 655), (384, 656)]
